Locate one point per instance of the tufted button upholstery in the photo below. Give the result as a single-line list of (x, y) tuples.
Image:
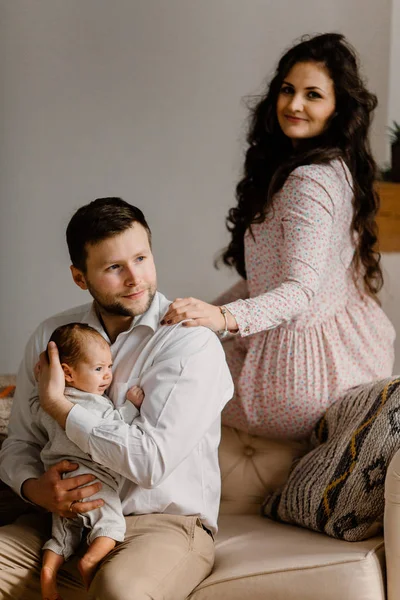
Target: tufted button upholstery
[(251, 466), (249, 451)]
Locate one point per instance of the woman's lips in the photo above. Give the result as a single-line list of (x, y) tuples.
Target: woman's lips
[(294, 119)]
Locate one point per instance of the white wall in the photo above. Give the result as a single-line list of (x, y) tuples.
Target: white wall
[(143, 99), (394, 67)]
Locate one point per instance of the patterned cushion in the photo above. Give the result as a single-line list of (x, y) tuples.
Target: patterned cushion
[(7, 388), (338, 487)]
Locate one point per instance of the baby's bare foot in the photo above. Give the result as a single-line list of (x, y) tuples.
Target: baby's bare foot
[(49, 584)]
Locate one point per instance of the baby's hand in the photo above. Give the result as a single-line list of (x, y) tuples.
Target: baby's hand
[(135, 395)]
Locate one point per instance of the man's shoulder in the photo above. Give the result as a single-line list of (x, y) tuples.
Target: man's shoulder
[(186, 341), (179, 334)]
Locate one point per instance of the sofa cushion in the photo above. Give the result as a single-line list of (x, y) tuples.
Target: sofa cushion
[(251, 467), (260, 559), (338, 487), (7, 388)]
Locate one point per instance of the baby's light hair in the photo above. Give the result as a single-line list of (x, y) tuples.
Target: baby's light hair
[(71, 340)]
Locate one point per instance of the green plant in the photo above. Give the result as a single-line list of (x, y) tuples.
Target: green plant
[(394, 133)]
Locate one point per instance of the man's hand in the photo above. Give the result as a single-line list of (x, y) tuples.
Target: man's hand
[(62, 496), (52, 386)]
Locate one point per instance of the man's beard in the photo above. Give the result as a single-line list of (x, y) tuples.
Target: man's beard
[(117, 309)]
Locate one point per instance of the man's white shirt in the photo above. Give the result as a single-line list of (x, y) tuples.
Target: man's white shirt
[(168, 454)]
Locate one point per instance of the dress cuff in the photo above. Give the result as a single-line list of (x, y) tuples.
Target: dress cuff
[(239, 310), (79, 426)]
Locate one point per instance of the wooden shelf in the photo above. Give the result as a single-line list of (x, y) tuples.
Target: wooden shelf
[(389, 216)]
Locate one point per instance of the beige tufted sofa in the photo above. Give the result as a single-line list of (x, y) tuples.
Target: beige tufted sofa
[(258, 559)]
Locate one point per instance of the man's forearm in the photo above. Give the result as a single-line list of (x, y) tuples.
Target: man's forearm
[(58, 408), (28, 490)]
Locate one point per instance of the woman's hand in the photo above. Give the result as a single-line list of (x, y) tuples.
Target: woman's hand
[(199, 313), (63, 496)]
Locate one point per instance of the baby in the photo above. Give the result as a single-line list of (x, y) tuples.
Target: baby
[(86, 359)]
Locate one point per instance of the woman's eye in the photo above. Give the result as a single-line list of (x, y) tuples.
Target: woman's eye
[(314, 95), (98, 368), (286, 90)]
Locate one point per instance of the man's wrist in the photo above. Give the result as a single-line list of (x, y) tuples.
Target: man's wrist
[(58, 408), (27, 490)]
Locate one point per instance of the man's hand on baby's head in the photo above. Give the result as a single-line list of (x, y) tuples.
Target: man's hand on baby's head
[(135, 395)]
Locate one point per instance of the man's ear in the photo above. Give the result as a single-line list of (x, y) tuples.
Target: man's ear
[(78, 277), (67, 373)]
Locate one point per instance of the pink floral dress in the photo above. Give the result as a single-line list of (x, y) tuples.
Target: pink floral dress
[(306, 332)]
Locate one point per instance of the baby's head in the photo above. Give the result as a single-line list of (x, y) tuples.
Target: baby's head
[(85, 357)]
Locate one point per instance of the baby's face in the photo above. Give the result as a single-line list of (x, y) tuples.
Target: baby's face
[(93, 374)]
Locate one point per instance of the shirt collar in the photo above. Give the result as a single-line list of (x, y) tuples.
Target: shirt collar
[(151, 318)]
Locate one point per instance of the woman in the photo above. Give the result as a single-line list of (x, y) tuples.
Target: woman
[(303, 234)]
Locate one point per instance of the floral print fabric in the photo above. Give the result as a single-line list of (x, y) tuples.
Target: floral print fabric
[(306, 331)]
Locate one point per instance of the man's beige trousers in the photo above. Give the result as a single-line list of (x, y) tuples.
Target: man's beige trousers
[(163, 557)]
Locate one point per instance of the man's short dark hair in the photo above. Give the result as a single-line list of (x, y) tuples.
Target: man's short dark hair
[(101, 219)]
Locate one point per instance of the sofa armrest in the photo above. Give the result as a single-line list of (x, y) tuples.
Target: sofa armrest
[(392, 527)]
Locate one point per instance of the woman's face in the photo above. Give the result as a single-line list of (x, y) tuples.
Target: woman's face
[(306, 101)]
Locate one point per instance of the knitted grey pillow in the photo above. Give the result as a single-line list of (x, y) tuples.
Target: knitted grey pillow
[(338, 487)]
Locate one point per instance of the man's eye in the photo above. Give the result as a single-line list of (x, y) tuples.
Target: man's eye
[(98, 368), (140, 258), (113, 267)]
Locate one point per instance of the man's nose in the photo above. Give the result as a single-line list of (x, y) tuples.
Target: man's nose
[(131, 277)]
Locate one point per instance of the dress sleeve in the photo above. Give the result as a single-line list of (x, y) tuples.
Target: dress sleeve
[(306, 222)]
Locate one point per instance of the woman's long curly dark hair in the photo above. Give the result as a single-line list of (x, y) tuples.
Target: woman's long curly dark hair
[(270, 157)]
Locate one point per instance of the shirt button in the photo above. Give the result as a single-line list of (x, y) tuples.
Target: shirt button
[(249, 451), (247, 329)]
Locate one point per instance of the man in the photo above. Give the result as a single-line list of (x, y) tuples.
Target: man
[(168, 455)]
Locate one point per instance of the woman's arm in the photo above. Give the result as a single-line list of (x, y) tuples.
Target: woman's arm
[(307, 225)]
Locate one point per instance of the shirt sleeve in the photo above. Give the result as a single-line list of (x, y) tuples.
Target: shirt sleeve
[(127, 412), (20, 453), (185, 389), (306, 222)]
